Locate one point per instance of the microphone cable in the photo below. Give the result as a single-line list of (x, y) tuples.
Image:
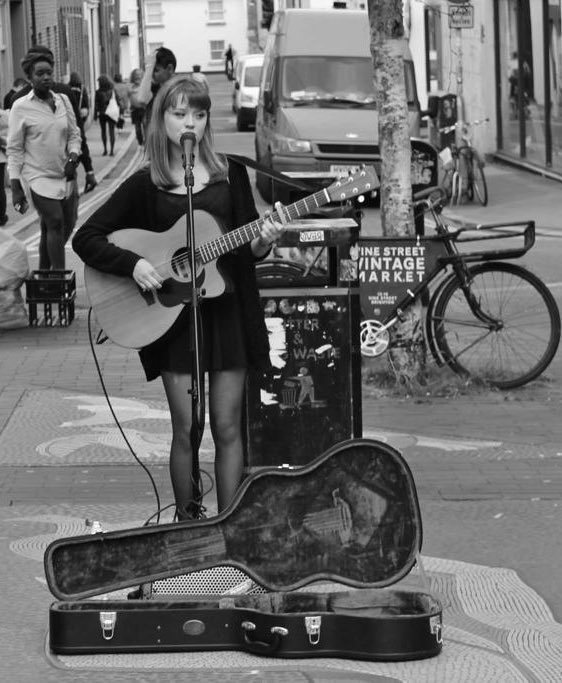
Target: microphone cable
[(108, 400), (159, 509)]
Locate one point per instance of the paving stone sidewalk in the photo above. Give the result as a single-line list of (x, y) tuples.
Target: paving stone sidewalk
[(487, 469)]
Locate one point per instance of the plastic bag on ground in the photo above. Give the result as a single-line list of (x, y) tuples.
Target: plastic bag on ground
[(14, 268)]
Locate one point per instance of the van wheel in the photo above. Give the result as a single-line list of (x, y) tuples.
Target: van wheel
[(263, 183), (240, 125)]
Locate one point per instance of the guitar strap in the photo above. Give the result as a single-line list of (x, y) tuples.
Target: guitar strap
[(275, 175)]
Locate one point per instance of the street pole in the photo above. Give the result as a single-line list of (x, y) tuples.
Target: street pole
[(460, 100), (140, 28), (33, 23)]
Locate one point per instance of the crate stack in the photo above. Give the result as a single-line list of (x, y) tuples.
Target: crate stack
[(50, 296)]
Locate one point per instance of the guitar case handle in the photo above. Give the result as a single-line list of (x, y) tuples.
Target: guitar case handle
[(262, 647)]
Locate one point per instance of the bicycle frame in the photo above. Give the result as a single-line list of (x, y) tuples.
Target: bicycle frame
[(458, 159), (458, 261)]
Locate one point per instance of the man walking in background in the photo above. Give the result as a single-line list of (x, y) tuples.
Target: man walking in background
[(160, 67)]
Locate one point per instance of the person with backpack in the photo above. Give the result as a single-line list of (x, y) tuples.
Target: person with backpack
[(107, 112)]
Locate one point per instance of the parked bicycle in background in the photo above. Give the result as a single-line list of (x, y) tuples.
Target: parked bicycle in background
[(487, 318), (463, 166)]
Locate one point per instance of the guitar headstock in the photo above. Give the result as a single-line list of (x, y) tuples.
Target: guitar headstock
[(364, 180)]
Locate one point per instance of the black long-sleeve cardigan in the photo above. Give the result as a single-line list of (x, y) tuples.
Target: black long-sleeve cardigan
[(133, 205)]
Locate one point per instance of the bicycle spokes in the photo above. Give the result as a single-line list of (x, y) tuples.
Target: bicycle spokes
[(514, 337)]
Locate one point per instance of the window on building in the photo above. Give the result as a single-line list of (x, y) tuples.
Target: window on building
[(217, 49), (152, 47), (216, 10), (153, 13)]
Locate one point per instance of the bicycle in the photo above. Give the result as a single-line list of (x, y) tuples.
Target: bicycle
[(463, 165), (486, 319)]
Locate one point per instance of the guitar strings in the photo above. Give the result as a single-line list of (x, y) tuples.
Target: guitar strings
[(212, 250)]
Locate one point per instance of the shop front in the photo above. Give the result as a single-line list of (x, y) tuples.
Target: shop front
[(528, 48)]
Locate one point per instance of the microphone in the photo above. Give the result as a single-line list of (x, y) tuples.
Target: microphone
[(187, 142)]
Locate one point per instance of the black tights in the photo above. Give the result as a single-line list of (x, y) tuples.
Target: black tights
[(226, 392)]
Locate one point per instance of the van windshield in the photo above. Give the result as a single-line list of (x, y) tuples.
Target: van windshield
[(252, 76), (330, 80)]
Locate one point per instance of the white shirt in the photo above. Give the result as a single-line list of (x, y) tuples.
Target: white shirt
[(40, 141)]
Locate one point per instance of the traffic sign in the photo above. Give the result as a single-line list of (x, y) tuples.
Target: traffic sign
[(461, 16)]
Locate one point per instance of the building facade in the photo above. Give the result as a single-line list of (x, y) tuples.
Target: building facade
[(199, 32), (82, 34), (528, 79), (505, 66)]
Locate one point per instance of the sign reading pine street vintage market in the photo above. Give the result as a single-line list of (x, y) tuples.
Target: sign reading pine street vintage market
[(388, 267)]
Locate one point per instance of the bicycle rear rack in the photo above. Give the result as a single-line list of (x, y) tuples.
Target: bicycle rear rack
[(525, 230)]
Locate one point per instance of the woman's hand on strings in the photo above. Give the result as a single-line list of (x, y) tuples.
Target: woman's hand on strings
[(272, 229), (146, 276)]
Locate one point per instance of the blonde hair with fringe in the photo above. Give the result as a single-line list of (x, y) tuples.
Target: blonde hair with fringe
[(158, 146)]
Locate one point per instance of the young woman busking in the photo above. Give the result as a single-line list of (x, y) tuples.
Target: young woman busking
[(234, 336)]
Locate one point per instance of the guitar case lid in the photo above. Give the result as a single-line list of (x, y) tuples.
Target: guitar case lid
[(350, 516)]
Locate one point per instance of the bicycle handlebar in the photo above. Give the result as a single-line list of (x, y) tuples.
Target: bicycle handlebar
[(428, 191), (434, 198), (459, 124)]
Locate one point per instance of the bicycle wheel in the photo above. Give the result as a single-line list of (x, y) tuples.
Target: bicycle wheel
[(478, 179), (513, 334)]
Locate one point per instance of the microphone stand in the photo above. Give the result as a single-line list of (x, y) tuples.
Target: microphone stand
[(197, 389)]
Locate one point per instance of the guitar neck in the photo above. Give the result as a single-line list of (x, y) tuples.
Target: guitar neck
[(236, 238)]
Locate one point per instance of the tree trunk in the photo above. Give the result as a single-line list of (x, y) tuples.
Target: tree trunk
[(407, 348)]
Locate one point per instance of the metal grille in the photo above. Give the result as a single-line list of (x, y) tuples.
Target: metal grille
[(214, 581), (339, 148)]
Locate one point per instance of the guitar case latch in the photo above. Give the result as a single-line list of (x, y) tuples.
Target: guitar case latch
[(312, 625), (107, 623)]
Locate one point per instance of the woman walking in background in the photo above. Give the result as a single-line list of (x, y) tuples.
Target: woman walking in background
[(106, 109), (137, 108)]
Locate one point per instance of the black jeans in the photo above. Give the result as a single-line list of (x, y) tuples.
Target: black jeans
[(106, 121), (137, 119), (58, 218)]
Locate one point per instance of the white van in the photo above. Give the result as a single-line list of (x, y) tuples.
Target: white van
[(247, 74), (316, 112)]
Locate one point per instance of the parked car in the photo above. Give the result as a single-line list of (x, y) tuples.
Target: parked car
[(247, 76), (316, 112)]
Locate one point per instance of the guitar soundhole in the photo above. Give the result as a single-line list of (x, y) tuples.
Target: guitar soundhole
[(181, 264)]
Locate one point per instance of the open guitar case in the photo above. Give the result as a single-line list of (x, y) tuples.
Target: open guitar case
[(324, 541)]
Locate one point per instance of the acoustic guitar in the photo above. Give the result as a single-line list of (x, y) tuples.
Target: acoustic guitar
[(351, 516), (133, 318)]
